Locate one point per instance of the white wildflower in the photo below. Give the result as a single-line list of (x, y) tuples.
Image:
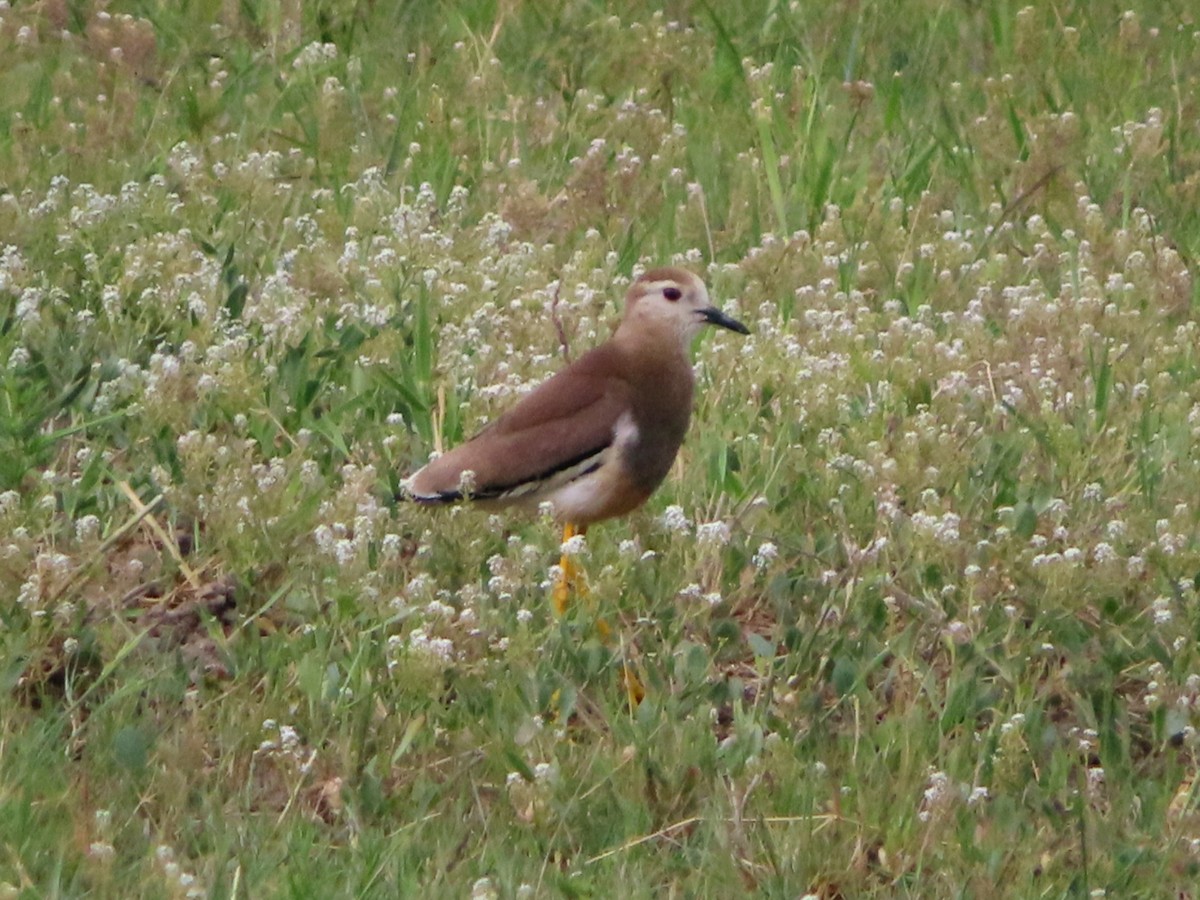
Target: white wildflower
[(766, 554), (673, 519), (714, 533)]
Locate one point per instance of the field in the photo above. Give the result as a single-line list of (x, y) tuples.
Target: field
[(916, 610)]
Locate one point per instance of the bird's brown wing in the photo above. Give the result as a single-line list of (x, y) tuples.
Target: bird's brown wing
[(558, 430)]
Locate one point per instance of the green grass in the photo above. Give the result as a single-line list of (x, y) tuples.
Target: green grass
[(258, 260)]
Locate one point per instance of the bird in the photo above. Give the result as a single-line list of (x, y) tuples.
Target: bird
[(599, 436)]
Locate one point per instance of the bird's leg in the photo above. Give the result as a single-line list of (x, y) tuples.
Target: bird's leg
[(570, 578), (570, 581), (635, 690)]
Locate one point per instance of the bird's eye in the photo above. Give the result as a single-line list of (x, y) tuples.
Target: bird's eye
[(672, 293)]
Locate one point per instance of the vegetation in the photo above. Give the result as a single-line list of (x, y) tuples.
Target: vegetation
[(917, 610)]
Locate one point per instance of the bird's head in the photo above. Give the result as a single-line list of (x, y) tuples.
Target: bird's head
[(675, 301)]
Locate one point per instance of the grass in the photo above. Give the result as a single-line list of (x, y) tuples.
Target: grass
[(916, 610)]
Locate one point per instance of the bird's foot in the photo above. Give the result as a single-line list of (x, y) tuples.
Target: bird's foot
[(635, 690)]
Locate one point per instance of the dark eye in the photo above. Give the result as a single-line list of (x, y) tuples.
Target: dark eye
[(672, 294)]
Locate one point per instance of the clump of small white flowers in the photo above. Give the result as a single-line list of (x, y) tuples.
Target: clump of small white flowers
[(419, 585), (1015, 721), (713, 533), (958, 632), (441, 649), (284, 738), (1161, 609), (1087, 738), (324, 538), (1095, 781), (937, 794), (466, 482), (30, 593), (314, 54), (943, 528), (1046, 559), (53, 565), (766, 554), (176, 873), (283, 742), (554, 577), (344, 551), (389, 547), (19, 358), (674, 519), (575, 545), (1169, 542), (87, 528)]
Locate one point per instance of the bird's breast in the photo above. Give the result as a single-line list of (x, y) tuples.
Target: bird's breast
[(660, 413)]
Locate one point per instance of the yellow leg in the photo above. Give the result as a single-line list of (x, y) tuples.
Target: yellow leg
[(635, 691), (571, 578)]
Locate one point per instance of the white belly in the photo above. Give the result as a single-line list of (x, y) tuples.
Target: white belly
[(595, 495)]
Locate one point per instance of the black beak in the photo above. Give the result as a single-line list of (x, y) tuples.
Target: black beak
[(713, 316)]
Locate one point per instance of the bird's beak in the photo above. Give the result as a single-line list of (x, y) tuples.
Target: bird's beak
[(713, 316)]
